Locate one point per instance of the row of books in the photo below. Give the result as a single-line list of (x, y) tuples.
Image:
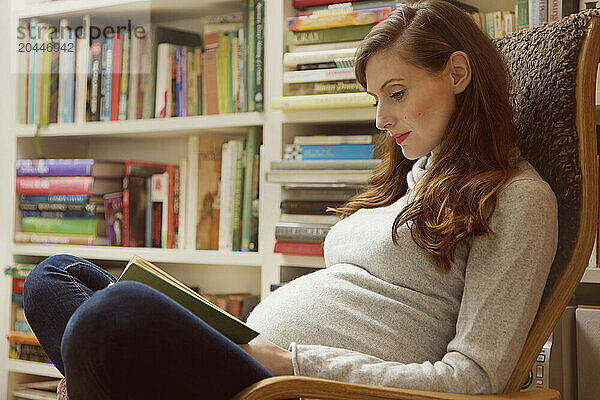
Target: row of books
[(323, 36), (92, 202), (228, 192), (68, 74)]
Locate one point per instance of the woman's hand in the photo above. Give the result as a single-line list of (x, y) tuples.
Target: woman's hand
[(274, 358)]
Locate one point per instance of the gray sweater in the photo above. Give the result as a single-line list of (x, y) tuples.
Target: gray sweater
[(384, 315)]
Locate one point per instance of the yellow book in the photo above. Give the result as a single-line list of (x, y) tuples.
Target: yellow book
[(320, 101)]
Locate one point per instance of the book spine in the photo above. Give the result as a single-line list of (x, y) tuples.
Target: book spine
[(225, 193), (199, 61), (124, 78), (316, 75), (231, 36), (251, 151), (32, 71), (324, 164), (45, 111), (77, 226), (184, 77), (337, 151), (325, 21), (33, 185), (324, 87), (95, 81), (55, 238), (81, 67), (178, 83), (57, 214), (192, 84), (334, 139), (45, 169), (210, 100), (237, 199), (176, 208), (309, 3), (24, 77), (149, 227), (134, 76), (251, 56), (171, 208), (538, 13), (299, 248), (115, 91), (108, 74), (163, 77), (346, 33), (522, 14), (259, 55), (310, 102), (291, 60), (73, 199)]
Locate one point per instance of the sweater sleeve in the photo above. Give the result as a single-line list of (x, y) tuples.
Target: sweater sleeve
[(504, 279)]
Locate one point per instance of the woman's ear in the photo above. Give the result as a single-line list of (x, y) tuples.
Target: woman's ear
[(460, 71)]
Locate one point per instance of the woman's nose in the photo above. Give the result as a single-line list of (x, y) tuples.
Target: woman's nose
[(383, 120)]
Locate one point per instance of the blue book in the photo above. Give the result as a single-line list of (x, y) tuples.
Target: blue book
[(57, 214), (108, 76), (178, 84), (57, 198), (337, 151)]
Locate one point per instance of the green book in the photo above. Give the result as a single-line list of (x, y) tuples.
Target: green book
[(522, 14), (75, 226), (237, 199), (341, 34), (251, 149), (45, 112), (140, 270)]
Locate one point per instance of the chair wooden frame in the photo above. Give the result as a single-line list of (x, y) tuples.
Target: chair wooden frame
[(284, 387)]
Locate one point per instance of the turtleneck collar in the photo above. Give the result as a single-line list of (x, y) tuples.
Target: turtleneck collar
[(423, 164)]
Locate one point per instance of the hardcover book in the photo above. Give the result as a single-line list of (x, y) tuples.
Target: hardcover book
[(142, 271)]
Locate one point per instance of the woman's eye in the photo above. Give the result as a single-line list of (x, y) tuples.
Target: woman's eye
[(398, 95)]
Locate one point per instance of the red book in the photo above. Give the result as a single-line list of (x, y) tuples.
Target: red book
[(115, 89), (171, 208), (72, 185), (299, 248), (309, 3), (18, 284)]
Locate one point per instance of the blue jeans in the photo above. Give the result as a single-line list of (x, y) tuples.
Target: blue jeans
[(128, 341)]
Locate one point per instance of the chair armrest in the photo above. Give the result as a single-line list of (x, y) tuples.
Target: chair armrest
[(285, 387)]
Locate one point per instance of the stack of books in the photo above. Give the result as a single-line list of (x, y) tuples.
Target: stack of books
[(61, 200), (69, 73), (23, 343), (318, 172)]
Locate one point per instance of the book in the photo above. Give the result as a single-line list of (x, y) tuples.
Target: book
[(252, 144), (308, 3), (324, 164), (75, 185), (299, 248), (209, 174), (58, 238), (291, 60), (142, 271), (226, 189), (82, 60), (125, 65), (345, 33), (350, 17), (308, 207), (95, 81), (318, 75), (70, 167), (538, 12), (76, 226), (259, 19), (323, 87), (107, 75), (237, 197), (318, 176), (113, 214), (522, 11), (115, 89), (334, 139), (322, 46), (299, 232), (323, 101), (334, 194)]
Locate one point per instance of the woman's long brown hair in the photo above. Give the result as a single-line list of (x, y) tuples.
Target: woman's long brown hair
[(456, 197)]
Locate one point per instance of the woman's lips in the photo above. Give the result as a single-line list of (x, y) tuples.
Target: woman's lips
[(400, 138)]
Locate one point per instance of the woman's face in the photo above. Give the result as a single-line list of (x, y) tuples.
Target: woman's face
[(410, 99)]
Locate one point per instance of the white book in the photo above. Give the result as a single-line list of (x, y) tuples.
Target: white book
[(226, 197), (160, 194), (509, 23), (318, 75), (538, 12), (322, 46), (81, 67), (319, 176), (291, 60), (163, 80)]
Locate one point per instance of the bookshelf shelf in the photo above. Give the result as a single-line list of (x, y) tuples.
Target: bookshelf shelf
[(225, 123), (68, 8), (33, 368), (172, 256), (591, 275), (332, 115)]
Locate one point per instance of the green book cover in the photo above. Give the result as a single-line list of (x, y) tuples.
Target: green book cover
[(251, 56), (251, 149), (140, 270), (341, 34), (522, 14), (237, 199), (76, 226)]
